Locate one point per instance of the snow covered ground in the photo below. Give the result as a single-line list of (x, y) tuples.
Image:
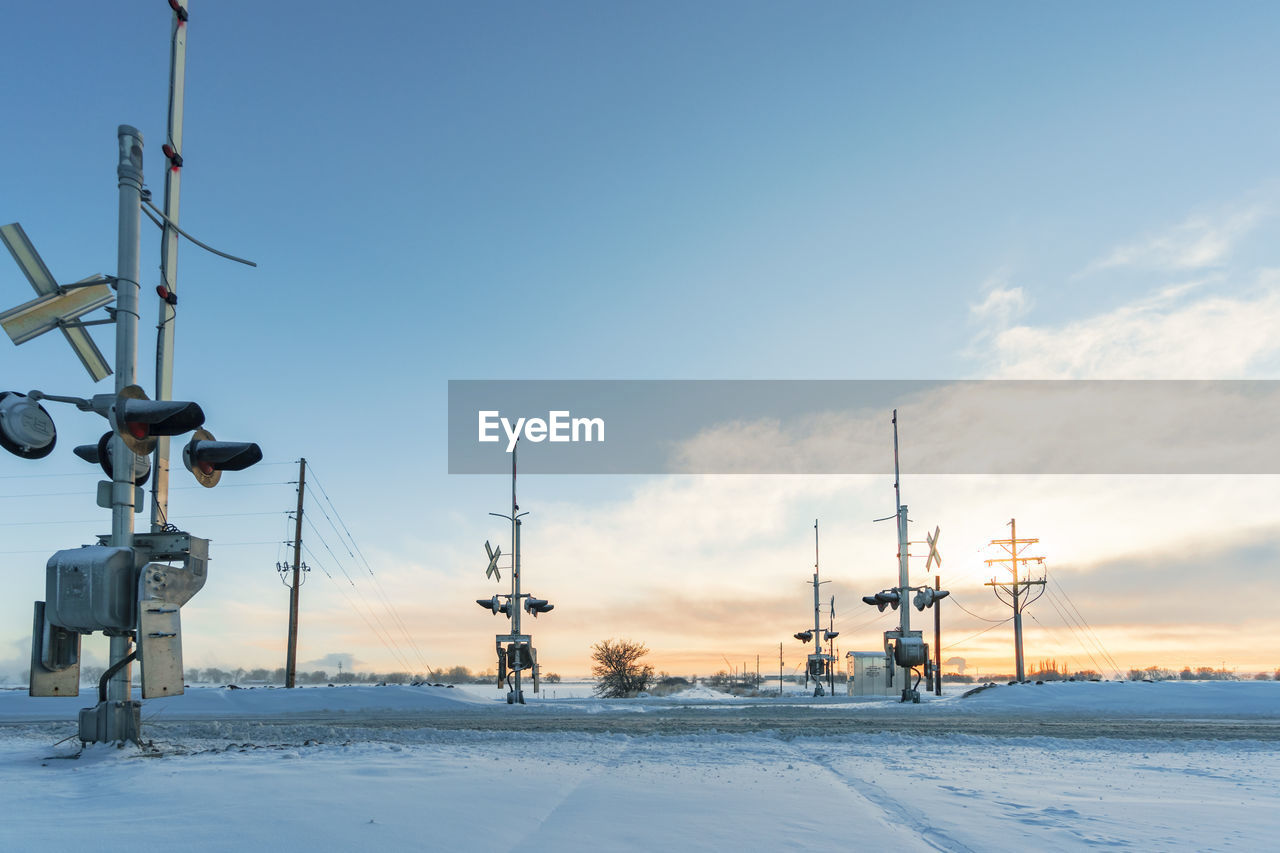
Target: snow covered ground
[(1188, 766)]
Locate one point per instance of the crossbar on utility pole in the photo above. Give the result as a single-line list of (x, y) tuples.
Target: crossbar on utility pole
[(1017, 589)]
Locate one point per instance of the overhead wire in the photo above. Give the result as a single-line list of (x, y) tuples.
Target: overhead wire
[(950, 646), (1084, 623), (350, 544), (970, 612), (382, 637), (1053, 602), (41, 476)]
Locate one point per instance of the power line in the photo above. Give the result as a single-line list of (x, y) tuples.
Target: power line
[(391, 608), (950, 646), (42, 476), (235, 485), (393, 646), (382, 637), (96, 520), (1077, 634), (1082, 621), (1073, 632), (971, 613)]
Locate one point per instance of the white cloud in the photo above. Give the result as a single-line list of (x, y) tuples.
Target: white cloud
[(1173, 334), (1198, 243), (1217, 325), (1001, 305)]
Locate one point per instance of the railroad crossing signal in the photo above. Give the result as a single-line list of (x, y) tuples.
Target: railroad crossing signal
[(883, 599), (497, 604), (927, 596), (55, 306), (934, 556), (138, 420), (534, 606), (494, 554), (207, 458), (100, 454)]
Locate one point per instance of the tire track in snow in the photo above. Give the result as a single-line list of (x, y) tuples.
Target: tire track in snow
[(912, 820), (528, 838)]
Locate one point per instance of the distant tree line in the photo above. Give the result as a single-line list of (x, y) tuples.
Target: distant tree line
[(1200, 673), (240, 675)]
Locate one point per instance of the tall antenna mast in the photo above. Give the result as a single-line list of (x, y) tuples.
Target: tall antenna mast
[(816, 582), (897, 489), (904, 563)]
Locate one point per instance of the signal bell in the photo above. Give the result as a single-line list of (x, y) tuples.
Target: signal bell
[(26, 429)]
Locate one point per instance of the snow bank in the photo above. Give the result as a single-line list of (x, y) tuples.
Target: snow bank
[(214, 702), (1169, 698)]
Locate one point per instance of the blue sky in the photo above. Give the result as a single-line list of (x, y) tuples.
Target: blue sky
[(664, 190)]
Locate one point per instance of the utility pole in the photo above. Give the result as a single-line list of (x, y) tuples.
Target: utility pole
[(291, 661), (779, 669), (169, 257), (1017, 590)]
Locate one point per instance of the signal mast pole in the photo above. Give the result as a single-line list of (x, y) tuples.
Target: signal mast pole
[(818, 662), (169, 257), (937, 639), (905, 649), (119, 717)]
